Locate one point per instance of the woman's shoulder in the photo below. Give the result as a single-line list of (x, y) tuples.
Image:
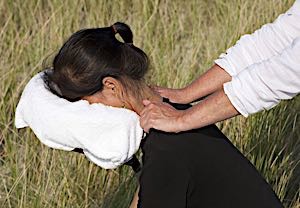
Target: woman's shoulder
[(211, 131), (166, 141), (187, 141)]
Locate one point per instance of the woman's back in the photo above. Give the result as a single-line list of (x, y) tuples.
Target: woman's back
[(199, 168)]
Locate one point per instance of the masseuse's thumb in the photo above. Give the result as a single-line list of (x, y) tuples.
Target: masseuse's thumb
[(146, 102)]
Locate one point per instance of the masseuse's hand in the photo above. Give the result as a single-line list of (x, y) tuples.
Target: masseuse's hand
[(160, 116), (174, 95)]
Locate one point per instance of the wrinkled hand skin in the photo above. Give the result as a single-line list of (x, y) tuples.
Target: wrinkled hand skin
[(160, 116), (215, 107), (174, 95)]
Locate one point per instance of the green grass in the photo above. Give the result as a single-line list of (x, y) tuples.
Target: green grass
[(182, 38)]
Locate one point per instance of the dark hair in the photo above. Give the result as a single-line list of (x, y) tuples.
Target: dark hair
[(90, 55)]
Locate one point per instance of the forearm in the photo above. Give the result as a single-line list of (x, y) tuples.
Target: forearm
[(215, 108), (206, 84)]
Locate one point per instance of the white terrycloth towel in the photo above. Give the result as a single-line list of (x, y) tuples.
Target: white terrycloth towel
[(109, 136)]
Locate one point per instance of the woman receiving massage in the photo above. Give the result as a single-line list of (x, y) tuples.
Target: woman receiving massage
[(191, 169)]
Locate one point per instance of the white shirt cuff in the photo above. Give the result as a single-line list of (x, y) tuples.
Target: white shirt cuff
[(235, 101), (224, 64)]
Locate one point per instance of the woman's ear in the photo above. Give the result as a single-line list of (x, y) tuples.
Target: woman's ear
[(110, 83), (113, 85)]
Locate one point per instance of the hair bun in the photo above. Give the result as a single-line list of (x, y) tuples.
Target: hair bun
[(124, 31)]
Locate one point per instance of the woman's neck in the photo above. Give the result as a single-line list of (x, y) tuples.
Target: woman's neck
[(148, 94), (132, 102)]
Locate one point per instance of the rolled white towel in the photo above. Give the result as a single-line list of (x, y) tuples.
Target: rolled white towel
[(109, 136)]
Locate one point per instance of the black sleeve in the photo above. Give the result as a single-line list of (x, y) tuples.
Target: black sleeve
[(163, 182)]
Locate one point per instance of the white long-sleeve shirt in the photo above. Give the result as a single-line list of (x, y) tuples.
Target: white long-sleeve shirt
[(265, 66)]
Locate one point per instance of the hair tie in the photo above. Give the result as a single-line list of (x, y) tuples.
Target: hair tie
[(114, 29)]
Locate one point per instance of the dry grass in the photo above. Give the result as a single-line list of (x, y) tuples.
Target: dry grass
[(182, 38)]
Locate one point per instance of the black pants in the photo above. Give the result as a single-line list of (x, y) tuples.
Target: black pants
[(199, 169)]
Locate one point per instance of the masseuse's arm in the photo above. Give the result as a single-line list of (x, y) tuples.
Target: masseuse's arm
[(162, 116), (207, 83), (260, 86), (263, 69), (266, 42)]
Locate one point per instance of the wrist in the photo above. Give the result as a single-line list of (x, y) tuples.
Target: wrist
[(191, 95), (181, 121), (186, 95), (184, 91), (179, 96)]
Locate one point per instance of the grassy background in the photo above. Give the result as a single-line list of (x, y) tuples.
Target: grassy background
[(182, 38)]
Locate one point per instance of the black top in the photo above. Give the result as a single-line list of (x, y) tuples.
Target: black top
[(199, 168)]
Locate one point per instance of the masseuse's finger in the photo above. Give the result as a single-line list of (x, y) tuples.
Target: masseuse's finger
[(154, 87), (146, 102), (160, 116), (146, 120), (158, 89), (162, 91), (174, 95), (151, 108), (150, 115), (148, 106)]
